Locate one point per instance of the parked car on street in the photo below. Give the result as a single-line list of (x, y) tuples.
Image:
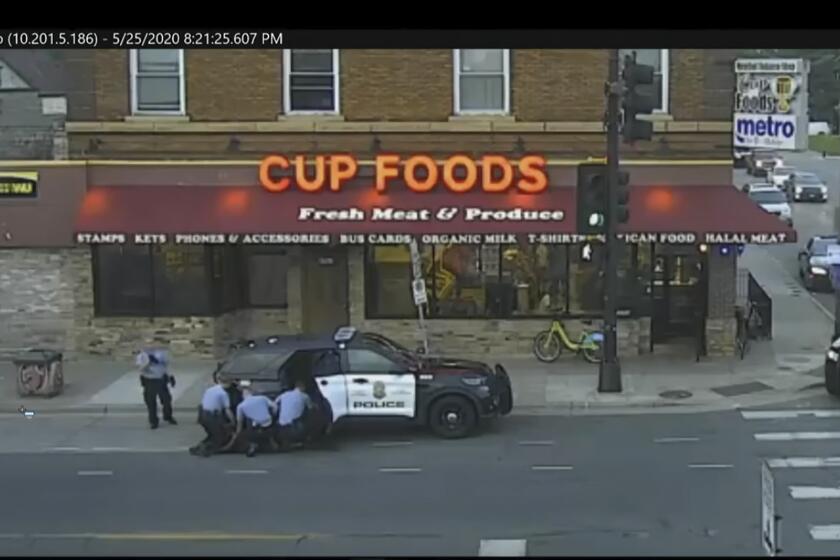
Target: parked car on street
[(813, 262), (749, 187), (832, 368), (802, 186), (759, 162), (781, 174), (367, 375), (774, 201), (817, 128)]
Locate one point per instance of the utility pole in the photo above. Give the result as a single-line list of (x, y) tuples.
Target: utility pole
[(609, 374)]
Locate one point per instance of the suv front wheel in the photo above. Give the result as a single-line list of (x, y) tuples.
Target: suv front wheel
[(453, 417)]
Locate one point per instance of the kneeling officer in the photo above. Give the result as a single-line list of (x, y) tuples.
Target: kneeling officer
[(254, 419), (216, 417)]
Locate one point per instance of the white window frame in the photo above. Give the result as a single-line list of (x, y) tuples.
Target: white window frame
[(665, 64), (457, 82), (182, 109), (287, 86)]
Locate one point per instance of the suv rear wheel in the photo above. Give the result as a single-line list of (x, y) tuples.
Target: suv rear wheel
[(452, 417)]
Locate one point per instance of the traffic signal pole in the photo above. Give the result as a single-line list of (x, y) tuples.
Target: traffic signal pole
[(609, 374)]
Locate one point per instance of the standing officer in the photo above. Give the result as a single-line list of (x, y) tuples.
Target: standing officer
[(155, 380), (216, 417), (254, 418)]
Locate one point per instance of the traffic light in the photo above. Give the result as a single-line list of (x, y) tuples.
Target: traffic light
[(636, 102), (592, 198), (622, 212)]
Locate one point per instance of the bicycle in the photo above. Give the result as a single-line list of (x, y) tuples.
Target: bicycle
[(549, 344)]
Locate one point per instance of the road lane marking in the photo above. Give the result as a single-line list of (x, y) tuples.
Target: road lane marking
[(95, 473), (107, 449), (164, 536), (813, 492), (803, 462), (391, 443), (552, 468), (65, 449), (246, 471), (676, 439), (498, 547), (825, 532), (797, 436), (710, 466), (400, 469), (787, 414), (537, 442)]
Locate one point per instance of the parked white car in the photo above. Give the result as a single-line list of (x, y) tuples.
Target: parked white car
[(781, 174), (774, 201)]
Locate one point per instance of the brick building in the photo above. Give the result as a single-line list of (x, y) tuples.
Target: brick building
[(169, 142)]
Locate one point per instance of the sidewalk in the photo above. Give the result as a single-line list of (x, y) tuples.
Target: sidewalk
[(787, 367)]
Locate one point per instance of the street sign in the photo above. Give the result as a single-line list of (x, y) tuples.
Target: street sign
[(416, 263), (418, 287), (768, 510)]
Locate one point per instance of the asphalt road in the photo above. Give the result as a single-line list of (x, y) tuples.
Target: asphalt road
[(685, 484), (809, 219)]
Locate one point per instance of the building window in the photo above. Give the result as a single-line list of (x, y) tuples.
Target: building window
[(482, 81), (659, 59), (537, 278), (388, 282), (267, 277), (157, 81), (167, 280), (311, 81)]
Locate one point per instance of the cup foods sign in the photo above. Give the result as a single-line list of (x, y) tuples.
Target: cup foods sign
[(771, 104)]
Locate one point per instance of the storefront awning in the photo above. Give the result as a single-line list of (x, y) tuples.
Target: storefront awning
[(711, 214)]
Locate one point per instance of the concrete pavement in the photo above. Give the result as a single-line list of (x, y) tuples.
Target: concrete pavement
[(608, 485)]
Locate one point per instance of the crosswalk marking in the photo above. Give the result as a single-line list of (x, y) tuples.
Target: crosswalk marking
[(499, 547), (804, 462), (796, 436), (813, 492), (825, 532), (676, 439), (787, 414)]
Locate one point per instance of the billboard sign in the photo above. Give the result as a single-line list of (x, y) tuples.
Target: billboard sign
[(771, 104)]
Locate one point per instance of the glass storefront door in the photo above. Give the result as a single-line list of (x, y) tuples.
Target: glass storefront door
[(679, 295)]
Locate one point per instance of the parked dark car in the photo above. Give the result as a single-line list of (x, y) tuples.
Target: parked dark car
[(813, 263), (353, 374), (802, 186)]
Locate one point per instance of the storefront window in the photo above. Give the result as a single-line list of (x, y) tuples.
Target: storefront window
[(388, 278), (180, 280), (466, 280), (267, 277), (123, 280), (586, 278), (536, 277), (227, 278)]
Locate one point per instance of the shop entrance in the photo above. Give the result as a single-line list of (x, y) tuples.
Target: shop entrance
[(679, 297), (324, 288)]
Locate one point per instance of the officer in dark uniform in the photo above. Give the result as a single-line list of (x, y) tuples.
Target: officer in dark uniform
[(155, 379), (215, 415)]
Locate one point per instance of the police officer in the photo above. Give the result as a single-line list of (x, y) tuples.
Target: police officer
[(291, 406), (216, 417), (155, 379), (254, 420)]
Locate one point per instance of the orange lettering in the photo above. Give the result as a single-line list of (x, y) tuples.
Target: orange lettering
[(266, 180), (342, 167), (460, 185), (386, 168), (534, 178), (431, 173), (310, 185), (487, 164)]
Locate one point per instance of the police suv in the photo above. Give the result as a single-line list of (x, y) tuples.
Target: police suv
[(352, 374)]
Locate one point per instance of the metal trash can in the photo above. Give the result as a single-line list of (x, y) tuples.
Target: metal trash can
[(40, 373)]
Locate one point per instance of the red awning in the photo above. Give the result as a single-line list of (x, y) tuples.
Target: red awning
[(702, 210)]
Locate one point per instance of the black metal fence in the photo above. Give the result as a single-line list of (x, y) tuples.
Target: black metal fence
[(762, 310)]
